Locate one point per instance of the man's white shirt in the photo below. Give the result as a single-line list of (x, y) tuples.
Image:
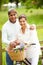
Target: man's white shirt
[(9, 31)]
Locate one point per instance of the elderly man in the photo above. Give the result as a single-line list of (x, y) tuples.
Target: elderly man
[(9, 31)]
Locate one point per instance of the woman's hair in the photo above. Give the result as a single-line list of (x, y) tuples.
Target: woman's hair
[(11, 10), (22, 16)]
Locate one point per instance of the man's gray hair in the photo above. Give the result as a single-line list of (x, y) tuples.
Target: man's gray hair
[(11, 10)]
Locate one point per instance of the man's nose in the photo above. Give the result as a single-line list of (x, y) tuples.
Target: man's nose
[(13, 16), (22, 23)]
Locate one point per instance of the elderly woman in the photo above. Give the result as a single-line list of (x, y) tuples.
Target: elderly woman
[(28, 35)]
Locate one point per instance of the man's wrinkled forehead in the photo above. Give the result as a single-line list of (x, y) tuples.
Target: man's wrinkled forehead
[(11, 11)]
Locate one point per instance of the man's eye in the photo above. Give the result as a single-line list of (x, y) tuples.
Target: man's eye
[(11, 15)]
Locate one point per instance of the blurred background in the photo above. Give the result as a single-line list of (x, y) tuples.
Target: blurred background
[(33, 9)]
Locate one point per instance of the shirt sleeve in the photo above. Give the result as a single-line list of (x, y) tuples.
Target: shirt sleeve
[(4, 36), (34, 36)]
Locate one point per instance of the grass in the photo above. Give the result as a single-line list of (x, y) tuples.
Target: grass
[(4, 58), (35, 19), (3, 18), (33, 16), (40, 34)]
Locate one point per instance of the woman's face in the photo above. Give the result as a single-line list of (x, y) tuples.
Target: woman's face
[(22, 22)]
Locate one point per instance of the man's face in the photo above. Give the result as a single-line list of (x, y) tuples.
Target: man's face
[(12, 17)]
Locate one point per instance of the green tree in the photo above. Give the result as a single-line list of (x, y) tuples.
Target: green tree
[(40, 3), (11, 1), (3, 2), (33, 3), (0, 4), (16, 1)]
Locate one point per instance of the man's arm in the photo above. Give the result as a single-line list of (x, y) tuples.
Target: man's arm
[(4, 36), (32, 27), (34, 36)]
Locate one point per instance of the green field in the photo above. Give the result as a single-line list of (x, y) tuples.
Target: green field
[(34, 16)]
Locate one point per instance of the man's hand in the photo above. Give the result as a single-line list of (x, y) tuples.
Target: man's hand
[(17, 42), (32, 27), (13, 44)]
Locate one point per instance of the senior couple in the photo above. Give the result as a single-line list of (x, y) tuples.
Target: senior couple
[(16, 30)]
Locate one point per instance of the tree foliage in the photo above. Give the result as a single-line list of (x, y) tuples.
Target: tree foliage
[(33, 3), (16, 1), (3, 2)]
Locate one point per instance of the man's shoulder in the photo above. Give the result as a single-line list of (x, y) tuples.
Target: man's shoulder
[(5, 24)]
